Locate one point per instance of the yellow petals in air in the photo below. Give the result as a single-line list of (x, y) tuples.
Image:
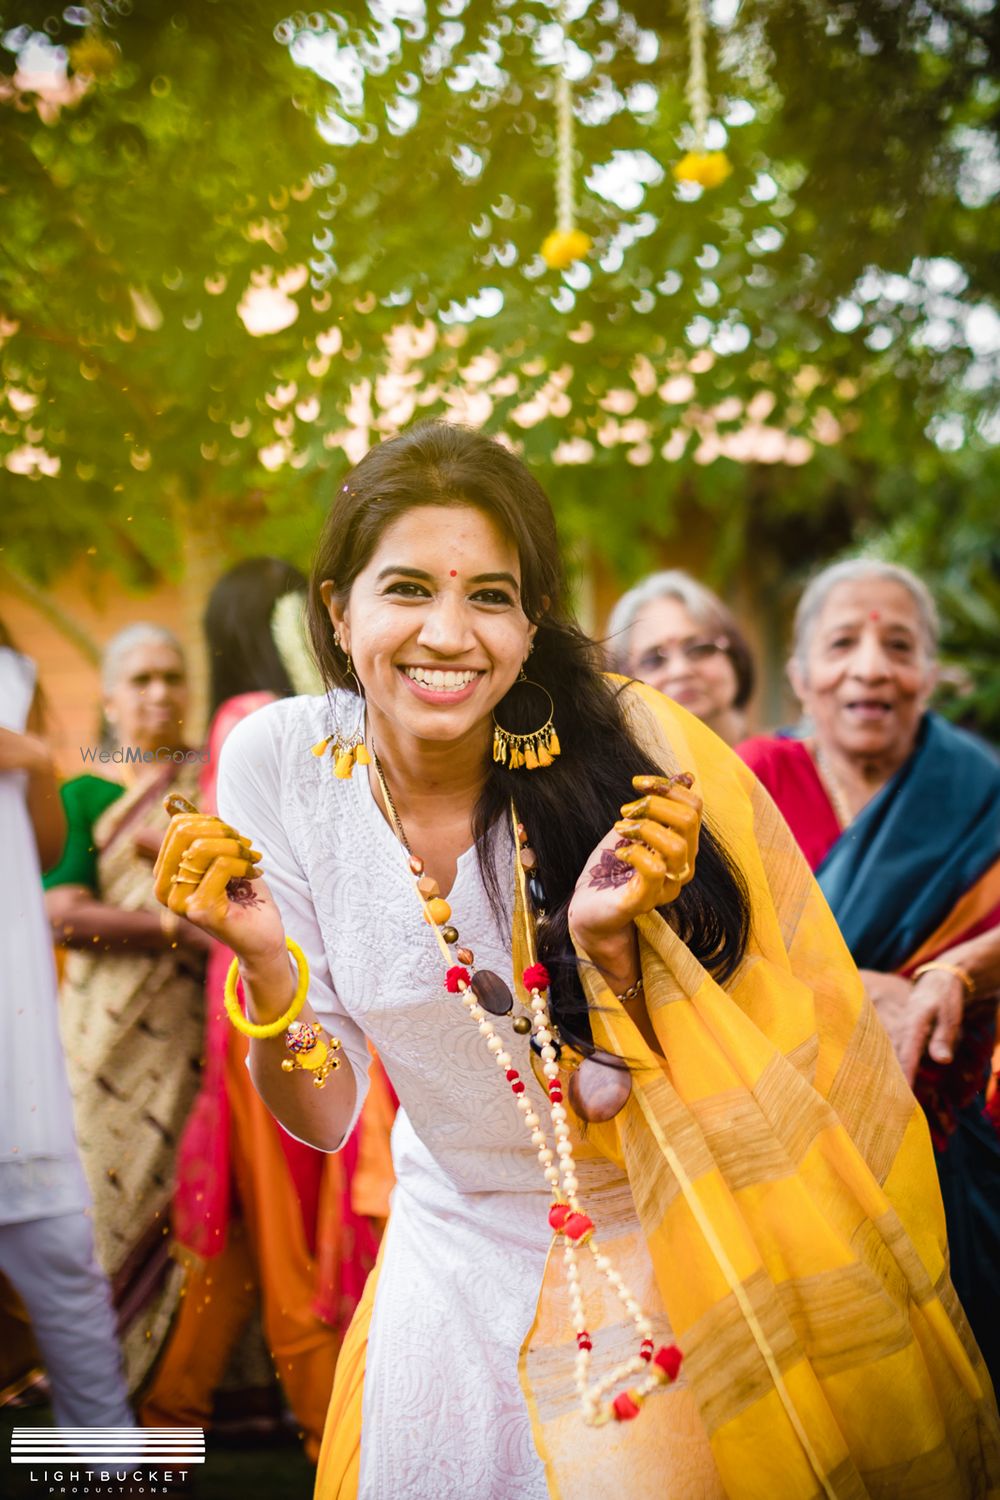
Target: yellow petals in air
[(563, 246), (707, 168), (93, 56)]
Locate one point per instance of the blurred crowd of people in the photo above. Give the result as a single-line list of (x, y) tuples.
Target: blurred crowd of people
[(148, 1201)]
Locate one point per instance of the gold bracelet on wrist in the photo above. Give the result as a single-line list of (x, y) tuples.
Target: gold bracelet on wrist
[(968, 982), (303, 1039)]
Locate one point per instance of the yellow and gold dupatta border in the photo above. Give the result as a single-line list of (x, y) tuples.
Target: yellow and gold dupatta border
[(783, 1178)]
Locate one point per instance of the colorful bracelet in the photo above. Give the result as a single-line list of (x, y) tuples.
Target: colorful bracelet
[(959, 973), (303, 1039)]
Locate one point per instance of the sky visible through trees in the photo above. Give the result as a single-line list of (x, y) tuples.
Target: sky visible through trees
[(238, 245)]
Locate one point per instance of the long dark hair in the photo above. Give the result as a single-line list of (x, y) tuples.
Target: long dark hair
[(568, 807), (237, 623)]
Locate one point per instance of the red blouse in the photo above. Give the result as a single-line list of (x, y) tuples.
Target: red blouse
[(788, 771)]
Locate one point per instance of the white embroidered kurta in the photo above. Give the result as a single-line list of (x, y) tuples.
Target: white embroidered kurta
[(444, 1417)]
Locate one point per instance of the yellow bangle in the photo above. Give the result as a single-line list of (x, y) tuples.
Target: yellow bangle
[(967, 980), (272, 1028)]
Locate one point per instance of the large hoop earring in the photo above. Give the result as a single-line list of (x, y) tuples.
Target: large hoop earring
[(531, 751), (347, 750)]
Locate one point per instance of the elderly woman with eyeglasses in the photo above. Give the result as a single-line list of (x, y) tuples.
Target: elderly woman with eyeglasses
[(678, 637), (898, 813)]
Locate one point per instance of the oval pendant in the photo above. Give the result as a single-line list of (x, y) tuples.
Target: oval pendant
[(491, 992), (597, 1091)]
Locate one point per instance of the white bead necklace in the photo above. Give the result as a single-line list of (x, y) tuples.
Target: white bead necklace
[(566, 1215)]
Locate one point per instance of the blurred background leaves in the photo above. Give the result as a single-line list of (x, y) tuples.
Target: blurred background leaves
[(238, 245)]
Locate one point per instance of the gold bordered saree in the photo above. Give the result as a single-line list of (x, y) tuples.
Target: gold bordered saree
[(782, 1176)]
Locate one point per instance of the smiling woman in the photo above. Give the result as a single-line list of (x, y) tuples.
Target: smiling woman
[(131, 996), (672, 632), (612, 1035), (899, 815), (439, 636)]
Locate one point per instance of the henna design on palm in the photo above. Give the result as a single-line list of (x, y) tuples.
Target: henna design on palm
[(610, 873)]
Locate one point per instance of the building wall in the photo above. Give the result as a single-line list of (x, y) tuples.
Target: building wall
[(102, 606), (70, 682)]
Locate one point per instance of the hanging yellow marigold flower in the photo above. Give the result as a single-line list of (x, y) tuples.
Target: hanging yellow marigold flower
[(563, 246), (706, 168), (93, 55)]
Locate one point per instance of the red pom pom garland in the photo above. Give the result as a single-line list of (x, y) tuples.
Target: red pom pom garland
[(668, 1362), (566, 1216), (626, 1406), (558, 1214), (536, 977)]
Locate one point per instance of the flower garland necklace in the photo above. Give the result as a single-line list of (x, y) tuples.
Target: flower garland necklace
[(484, 994)]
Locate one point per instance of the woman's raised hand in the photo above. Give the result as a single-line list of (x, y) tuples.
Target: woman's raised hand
[(207, 872), (644, 862)]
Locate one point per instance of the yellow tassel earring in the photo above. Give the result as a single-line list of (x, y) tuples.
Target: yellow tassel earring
[(349, 750), (531, 751)]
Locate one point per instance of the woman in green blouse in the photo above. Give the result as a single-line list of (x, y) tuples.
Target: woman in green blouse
[(131, 996)]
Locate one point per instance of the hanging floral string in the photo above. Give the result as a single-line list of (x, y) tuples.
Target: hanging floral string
[(93, 56), (566, 243), (707, 168)]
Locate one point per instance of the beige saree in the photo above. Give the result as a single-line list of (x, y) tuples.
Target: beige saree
[(132, 1028)]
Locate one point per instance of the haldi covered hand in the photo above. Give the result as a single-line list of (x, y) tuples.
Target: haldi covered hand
[(644, 862), (660, 837), (208, 872)]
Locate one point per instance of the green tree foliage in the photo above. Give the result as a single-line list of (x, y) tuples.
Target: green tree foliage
[(946, 530), (136, 214), (781, 351)]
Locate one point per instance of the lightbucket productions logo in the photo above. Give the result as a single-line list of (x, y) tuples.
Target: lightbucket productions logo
[(106, 1460)]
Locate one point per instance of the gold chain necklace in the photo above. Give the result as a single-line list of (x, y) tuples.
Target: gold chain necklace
[(833, 788), (389, 803)]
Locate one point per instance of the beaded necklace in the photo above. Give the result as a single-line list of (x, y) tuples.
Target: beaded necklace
[(485, 995)]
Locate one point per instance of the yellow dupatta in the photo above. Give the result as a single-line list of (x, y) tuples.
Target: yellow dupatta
[(783, 1177), (791, 1222)]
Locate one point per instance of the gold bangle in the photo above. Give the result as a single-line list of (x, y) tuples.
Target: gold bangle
[(959, 973), (270, 1028)]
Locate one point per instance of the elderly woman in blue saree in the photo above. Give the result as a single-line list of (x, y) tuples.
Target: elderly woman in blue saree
[(898, 813)]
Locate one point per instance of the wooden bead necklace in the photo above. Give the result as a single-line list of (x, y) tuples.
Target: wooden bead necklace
[(485, 995)]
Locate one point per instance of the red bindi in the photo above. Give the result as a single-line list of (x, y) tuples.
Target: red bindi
[(874, 615), (453, 573)]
